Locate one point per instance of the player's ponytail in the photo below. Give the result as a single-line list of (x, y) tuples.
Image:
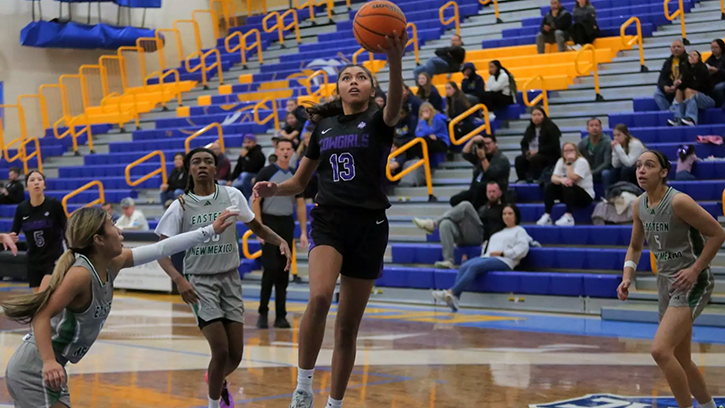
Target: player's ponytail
[(333, 108), (83, 225)]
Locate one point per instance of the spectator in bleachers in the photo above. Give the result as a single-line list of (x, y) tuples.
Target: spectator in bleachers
[(176, 181), (571, 183), (108, 207), (625, 152), (299, 111), (466, 225), (224, 166), (686, 158), (428, 93), (503, 252), (457, 104), (13, 192), (250, 161), (670, 76), (380, 100), (405, 129), (132, 219), (292, 129), (411, 103), (554, 28), (472, 84), (447, 59), (597, 149), (490, 165), (501, 88), (716, 66), (584, 29), (540, 147), (432, 127), (693, 92)]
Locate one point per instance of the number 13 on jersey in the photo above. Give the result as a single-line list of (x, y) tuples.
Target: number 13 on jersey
[(343, 167)]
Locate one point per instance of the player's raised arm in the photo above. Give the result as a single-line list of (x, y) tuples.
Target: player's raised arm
[(394, 52)]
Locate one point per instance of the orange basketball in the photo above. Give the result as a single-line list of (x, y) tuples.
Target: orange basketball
[(374, 21)]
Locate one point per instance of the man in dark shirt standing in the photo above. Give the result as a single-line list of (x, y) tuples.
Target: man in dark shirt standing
[(490, 165), (465, 225), (447, 59), (250, 162), (13, 192), (276, 213)]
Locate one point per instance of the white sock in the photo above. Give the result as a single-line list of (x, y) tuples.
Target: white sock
[(333, 403), (710, 404), (304, 379), (214, 403)]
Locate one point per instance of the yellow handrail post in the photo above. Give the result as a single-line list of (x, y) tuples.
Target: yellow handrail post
[(495, 9), (679, 13), (485, 127), (273, 115), (242, 46), (295, 24), (455, 18), (245, 246), (722, 9), (543, 97), (43, 107), (636, 39), (413, 40), (593, 67), (161, 170), (425, 161), (354, 60), (204, 130), (100, 200), (322, 91), (277, 26), (25, 157)]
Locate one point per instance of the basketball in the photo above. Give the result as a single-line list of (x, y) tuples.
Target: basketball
[(374, 21)]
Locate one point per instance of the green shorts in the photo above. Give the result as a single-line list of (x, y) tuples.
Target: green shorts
[(696, 298)]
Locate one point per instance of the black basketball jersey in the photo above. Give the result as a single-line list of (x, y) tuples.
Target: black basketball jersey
[(44, 227), (352, 151)]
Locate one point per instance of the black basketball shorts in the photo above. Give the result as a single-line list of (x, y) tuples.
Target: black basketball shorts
[(36, 272), (359, 235)]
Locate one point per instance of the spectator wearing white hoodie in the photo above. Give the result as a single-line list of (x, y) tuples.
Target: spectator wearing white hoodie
[(626, 149), (499, 92), (502, 252)]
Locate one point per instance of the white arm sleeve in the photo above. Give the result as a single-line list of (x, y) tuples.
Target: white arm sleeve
[(245, 213), (172, 245)]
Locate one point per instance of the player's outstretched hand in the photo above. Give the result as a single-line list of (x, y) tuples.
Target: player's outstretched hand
[(9, 241), (264, 189), (54, 375), (226, 218), (284, 250), (623, 290), (396, 46), (187, 292)]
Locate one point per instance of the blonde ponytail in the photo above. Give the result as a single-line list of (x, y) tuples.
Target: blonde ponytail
[(83, 225)]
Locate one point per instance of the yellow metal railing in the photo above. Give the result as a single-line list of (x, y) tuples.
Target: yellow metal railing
[(413, 39), (245, 246), (25, 157), (485, 127), (495, 8), (679, 13), (636, 39), (322, 90), (242, 46), (360, 51), (203, 131), (722, 9), (425, 161), (455, 19), (311, 5), (593, 67), (203, 67), (262, 2), (162, 76), (161, 170), (43, 108), (281, 27), (652, 262), (95, 183), (73, 133), (272, 116), (543, 97)]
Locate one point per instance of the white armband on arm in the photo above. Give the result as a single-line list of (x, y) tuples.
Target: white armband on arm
[(170, 246), (631, 264)]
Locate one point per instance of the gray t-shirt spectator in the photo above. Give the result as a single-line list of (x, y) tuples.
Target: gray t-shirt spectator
[(598, 155), (277, 205)]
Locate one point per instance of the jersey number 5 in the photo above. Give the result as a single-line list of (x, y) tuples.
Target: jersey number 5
[(657, 240), (39, 239), (343, 167)]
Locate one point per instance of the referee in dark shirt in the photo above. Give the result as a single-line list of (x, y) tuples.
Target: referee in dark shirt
[(276, 213)]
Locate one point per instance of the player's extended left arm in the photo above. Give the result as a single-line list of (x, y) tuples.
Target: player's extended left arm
[(395, 51), (685, 208)]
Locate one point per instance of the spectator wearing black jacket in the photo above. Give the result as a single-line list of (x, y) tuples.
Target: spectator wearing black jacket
[(250, 162), (540, 147), (584, 29), (411, 102), (554, 28), (670, 76), (490, 165), (428, 93), (447, 59), (291, 106), (693, 93), (176, 182), (472, 84), (13, 192), (457, 104), (716, 67)]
